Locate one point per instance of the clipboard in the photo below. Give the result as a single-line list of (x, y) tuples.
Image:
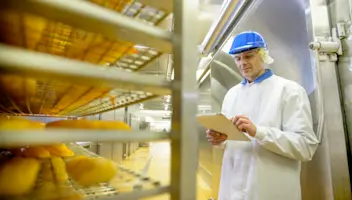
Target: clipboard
[(219, 123)]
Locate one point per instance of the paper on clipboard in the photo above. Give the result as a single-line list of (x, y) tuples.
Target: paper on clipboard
[(218, 122)]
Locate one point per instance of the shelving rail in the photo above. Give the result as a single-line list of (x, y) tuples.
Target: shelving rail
[(73, 58)]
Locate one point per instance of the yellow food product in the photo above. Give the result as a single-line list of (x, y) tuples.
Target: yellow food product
[(18, 176), (36, 151), (47, 186), (59, 168), (71, 164), (88, 171), (17, 88), (60, 150), (76, 96), (67, 193), (16, 123), (51, 191), (89, 124), (47, 172)]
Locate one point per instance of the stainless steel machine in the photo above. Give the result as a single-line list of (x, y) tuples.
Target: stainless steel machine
[(102, 58), (311, 44)]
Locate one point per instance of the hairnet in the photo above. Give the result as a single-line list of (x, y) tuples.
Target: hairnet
[(264, 54)]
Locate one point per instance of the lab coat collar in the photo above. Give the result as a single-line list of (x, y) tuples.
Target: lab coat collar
[(268, 73)]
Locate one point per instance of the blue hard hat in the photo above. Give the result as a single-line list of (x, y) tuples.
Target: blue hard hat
[(246, 41)]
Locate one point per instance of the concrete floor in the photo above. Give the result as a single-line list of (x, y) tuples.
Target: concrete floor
[(160, 168)]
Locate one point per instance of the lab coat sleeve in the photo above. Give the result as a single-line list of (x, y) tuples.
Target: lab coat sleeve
[(297, 139), (221, 145)]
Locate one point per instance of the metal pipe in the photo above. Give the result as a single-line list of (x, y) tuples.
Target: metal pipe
[(325, 46), (125, 116), (350, 6), (204, 75), (184, 146), (169, 68), (319, 93), (229, 18)]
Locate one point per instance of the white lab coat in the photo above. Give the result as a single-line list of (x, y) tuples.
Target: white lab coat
[(268, 167)]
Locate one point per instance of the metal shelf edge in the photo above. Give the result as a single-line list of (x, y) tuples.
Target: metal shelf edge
[(160, 4), (99, 111), (9, 138), (139, 194), (90, 17), (46, 66)]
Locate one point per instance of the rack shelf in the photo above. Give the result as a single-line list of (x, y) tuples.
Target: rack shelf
[(76, 86), (151, 12), (125, 180), (44, 66), (162, 5), (119, 100), (39, 34), (28, 137), (43, 35), (96, 19), (142, 186)]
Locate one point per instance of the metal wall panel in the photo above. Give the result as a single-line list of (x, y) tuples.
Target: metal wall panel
[(340, 12), (112, 150), (205, 149), (327, 176)]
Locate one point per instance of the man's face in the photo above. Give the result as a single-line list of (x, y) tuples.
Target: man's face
[(250, 64)]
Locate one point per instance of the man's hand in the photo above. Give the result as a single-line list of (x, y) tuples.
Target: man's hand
[(215, 138), (245, 125)]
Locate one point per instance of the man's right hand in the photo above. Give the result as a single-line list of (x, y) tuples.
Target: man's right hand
[(215, 138)]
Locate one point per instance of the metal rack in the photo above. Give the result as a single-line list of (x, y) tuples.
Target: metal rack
[(73, 40), (76, 58)]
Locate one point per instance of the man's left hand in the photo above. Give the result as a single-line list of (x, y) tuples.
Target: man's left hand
[(244, 124)]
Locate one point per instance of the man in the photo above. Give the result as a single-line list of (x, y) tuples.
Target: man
[(276, 114)]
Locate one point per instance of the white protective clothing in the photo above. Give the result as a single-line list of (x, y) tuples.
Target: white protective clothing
[(268, 167)]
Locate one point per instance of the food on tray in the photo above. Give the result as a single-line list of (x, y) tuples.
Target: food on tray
[(59, 168), (36, 151), (88, 171), (51, 191), (89, 124), (17, 87), (44, 151), (16, 123), (47, 173), (18, 91), (18, 176), (60, 150)]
